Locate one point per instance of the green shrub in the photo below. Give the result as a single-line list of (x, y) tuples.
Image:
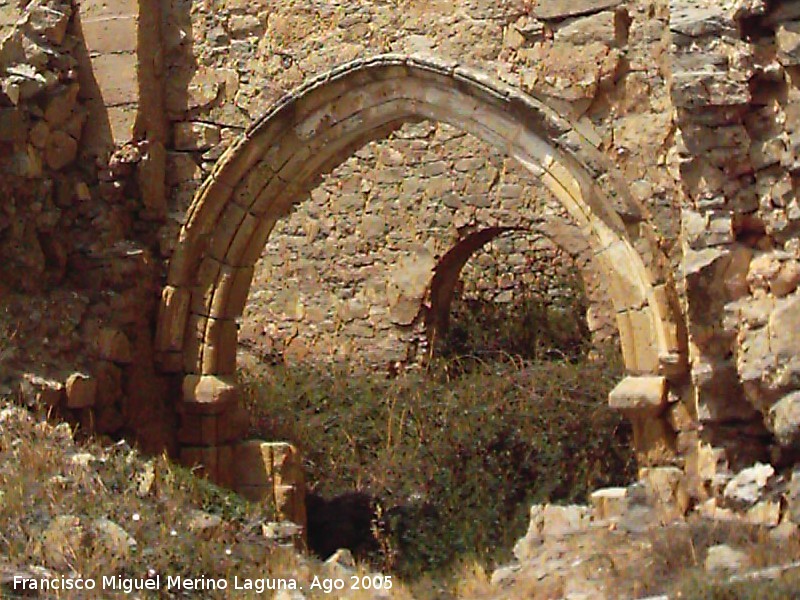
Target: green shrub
[(455, 462), (534, 326)]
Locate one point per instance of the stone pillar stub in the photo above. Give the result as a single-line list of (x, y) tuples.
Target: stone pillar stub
[(213, 429), (212, 462), (643, 400), (110, 80), (271, 471)]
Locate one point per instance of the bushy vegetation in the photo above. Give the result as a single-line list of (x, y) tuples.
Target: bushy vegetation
[(452, 456), (510, 413), (533, 327)]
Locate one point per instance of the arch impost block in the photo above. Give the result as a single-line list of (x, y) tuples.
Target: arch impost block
[(210, 394), (640, 396)]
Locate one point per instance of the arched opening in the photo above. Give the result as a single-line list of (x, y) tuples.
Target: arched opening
[(280, 159), (531, 299)]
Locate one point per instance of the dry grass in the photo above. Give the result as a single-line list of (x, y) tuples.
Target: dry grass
[(675, 563), (45, 475)]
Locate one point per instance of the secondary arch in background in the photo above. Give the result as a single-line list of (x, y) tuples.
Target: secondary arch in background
[(312, 130), (446, 275)]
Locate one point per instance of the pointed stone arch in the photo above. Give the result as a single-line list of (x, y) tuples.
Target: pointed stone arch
[(315, 128)]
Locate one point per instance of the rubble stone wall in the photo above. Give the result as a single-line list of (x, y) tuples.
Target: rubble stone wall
[(735, 86), (348, 272), (79, 179)]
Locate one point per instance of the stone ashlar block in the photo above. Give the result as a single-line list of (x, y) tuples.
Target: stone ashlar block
[(271, 470), (210, 430), (196, 136), (645, 396), (81, 390), (110, 34), (209, 394), (609, 503), (116, 76), (114, 345)]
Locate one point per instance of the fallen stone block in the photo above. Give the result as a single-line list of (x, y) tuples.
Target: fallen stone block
[(724, 558)]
